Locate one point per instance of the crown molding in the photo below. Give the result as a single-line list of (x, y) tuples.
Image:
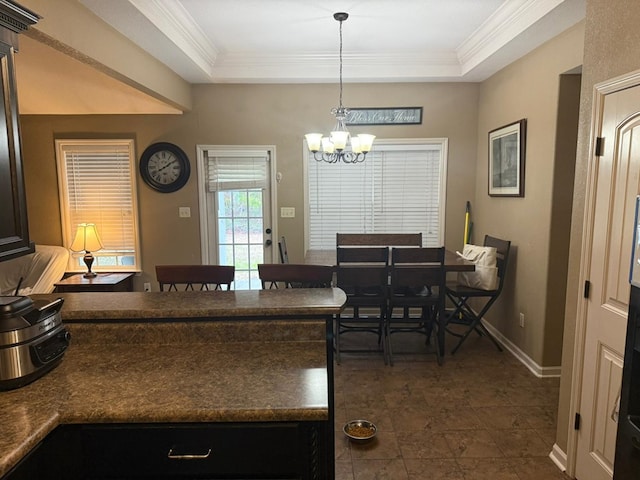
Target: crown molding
[(173, 20), (323, 68), (507, 22)]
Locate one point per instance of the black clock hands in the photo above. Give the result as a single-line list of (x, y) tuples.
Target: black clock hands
[(167, 165)]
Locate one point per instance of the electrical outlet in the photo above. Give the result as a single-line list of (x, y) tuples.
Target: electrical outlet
[(522, 320), (147, 286), (184, 212)]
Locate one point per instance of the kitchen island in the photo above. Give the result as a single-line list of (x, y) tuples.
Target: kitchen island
[(154, 363)]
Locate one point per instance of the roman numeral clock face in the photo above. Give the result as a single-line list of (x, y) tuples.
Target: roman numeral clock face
[(164, 167)]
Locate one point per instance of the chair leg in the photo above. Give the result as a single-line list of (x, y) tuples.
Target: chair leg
[(477, 326), (337, 335), (437, 317), (387, 337)]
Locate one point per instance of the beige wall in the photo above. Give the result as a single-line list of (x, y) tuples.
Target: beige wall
[(70, 27), (611, 44), (528, 88), (252, 115)]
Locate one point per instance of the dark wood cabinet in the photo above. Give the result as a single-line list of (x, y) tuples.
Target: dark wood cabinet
[(14, 227), (260, 450), (56, 457)]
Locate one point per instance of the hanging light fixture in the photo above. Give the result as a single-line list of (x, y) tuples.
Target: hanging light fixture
[(334, 146)]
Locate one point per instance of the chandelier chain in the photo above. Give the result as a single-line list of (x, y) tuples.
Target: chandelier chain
[(341, 63)]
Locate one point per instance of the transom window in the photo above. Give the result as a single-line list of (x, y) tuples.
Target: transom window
[(399, 188), (97, 183)]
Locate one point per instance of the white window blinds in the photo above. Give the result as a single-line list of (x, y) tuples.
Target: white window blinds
[(237, 170), (97, 185), (399, 188)]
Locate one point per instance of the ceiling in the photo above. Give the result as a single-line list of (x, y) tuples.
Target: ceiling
[(285, 41)]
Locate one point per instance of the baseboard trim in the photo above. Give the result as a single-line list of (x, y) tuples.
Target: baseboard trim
[(558, 457), (537, 370)]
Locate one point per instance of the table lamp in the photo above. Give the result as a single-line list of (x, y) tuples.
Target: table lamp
[(87, 240)]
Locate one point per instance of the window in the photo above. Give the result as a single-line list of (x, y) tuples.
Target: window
[(97, 183), (399, 188)]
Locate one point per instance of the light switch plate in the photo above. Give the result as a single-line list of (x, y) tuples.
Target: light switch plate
[(287, 212)]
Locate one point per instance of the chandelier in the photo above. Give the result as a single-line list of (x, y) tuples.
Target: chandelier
[(334, 146)]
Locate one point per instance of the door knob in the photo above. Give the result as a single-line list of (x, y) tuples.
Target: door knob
[(268, 231), (268, 242)]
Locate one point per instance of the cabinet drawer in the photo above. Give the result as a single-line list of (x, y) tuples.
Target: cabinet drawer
[(219, 450)]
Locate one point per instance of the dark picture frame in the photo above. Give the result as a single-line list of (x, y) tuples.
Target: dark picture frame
[(507, 147)]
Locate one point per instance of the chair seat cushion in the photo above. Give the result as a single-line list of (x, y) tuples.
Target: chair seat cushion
[(464, 291)]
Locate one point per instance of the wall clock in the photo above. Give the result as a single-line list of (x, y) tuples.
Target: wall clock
[(164, 167)]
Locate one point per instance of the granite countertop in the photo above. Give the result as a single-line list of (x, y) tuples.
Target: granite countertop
[(212, 304), (175, 370)]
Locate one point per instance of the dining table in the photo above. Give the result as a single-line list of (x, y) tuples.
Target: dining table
[(452, 263)]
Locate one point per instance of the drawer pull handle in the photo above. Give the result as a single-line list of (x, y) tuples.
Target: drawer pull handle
[(188, 456)]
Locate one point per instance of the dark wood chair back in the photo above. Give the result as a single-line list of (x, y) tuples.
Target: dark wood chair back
[(369, 255), (290, 275), (192, 277), (419, 255), (379, 239), (417, 272), (365, 285), (503, 248)]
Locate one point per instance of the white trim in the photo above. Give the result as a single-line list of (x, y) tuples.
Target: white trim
[(538, 370), (234, 150), (600, 91), (559, 457)]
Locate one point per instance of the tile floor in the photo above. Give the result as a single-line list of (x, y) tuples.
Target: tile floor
[(481, 415)]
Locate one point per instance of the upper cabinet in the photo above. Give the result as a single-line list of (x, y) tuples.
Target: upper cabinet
[(14, 226)]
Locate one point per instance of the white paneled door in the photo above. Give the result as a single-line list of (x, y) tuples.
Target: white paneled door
[(615, 185)]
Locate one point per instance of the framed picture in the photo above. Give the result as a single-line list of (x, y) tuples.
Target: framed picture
[(507, 146)]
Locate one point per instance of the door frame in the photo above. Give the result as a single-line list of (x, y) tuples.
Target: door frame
[(202, 194), (600, 92)]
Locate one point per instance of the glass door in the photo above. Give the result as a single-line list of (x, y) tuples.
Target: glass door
[(243, 239), (236, 209)]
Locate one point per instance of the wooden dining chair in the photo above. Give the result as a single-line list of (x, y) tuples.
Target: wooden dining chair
[(362, 273), (290, 275), (204, 277), (417, 282), (282, 250), (461, 296)]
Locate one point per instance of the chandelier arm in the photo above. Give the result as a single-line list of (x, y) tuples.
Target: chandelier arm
[(335, 157)]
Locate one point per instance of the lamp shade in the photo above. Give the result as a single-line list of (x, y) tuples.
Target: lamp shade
[(313, 141), (87, 238)]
